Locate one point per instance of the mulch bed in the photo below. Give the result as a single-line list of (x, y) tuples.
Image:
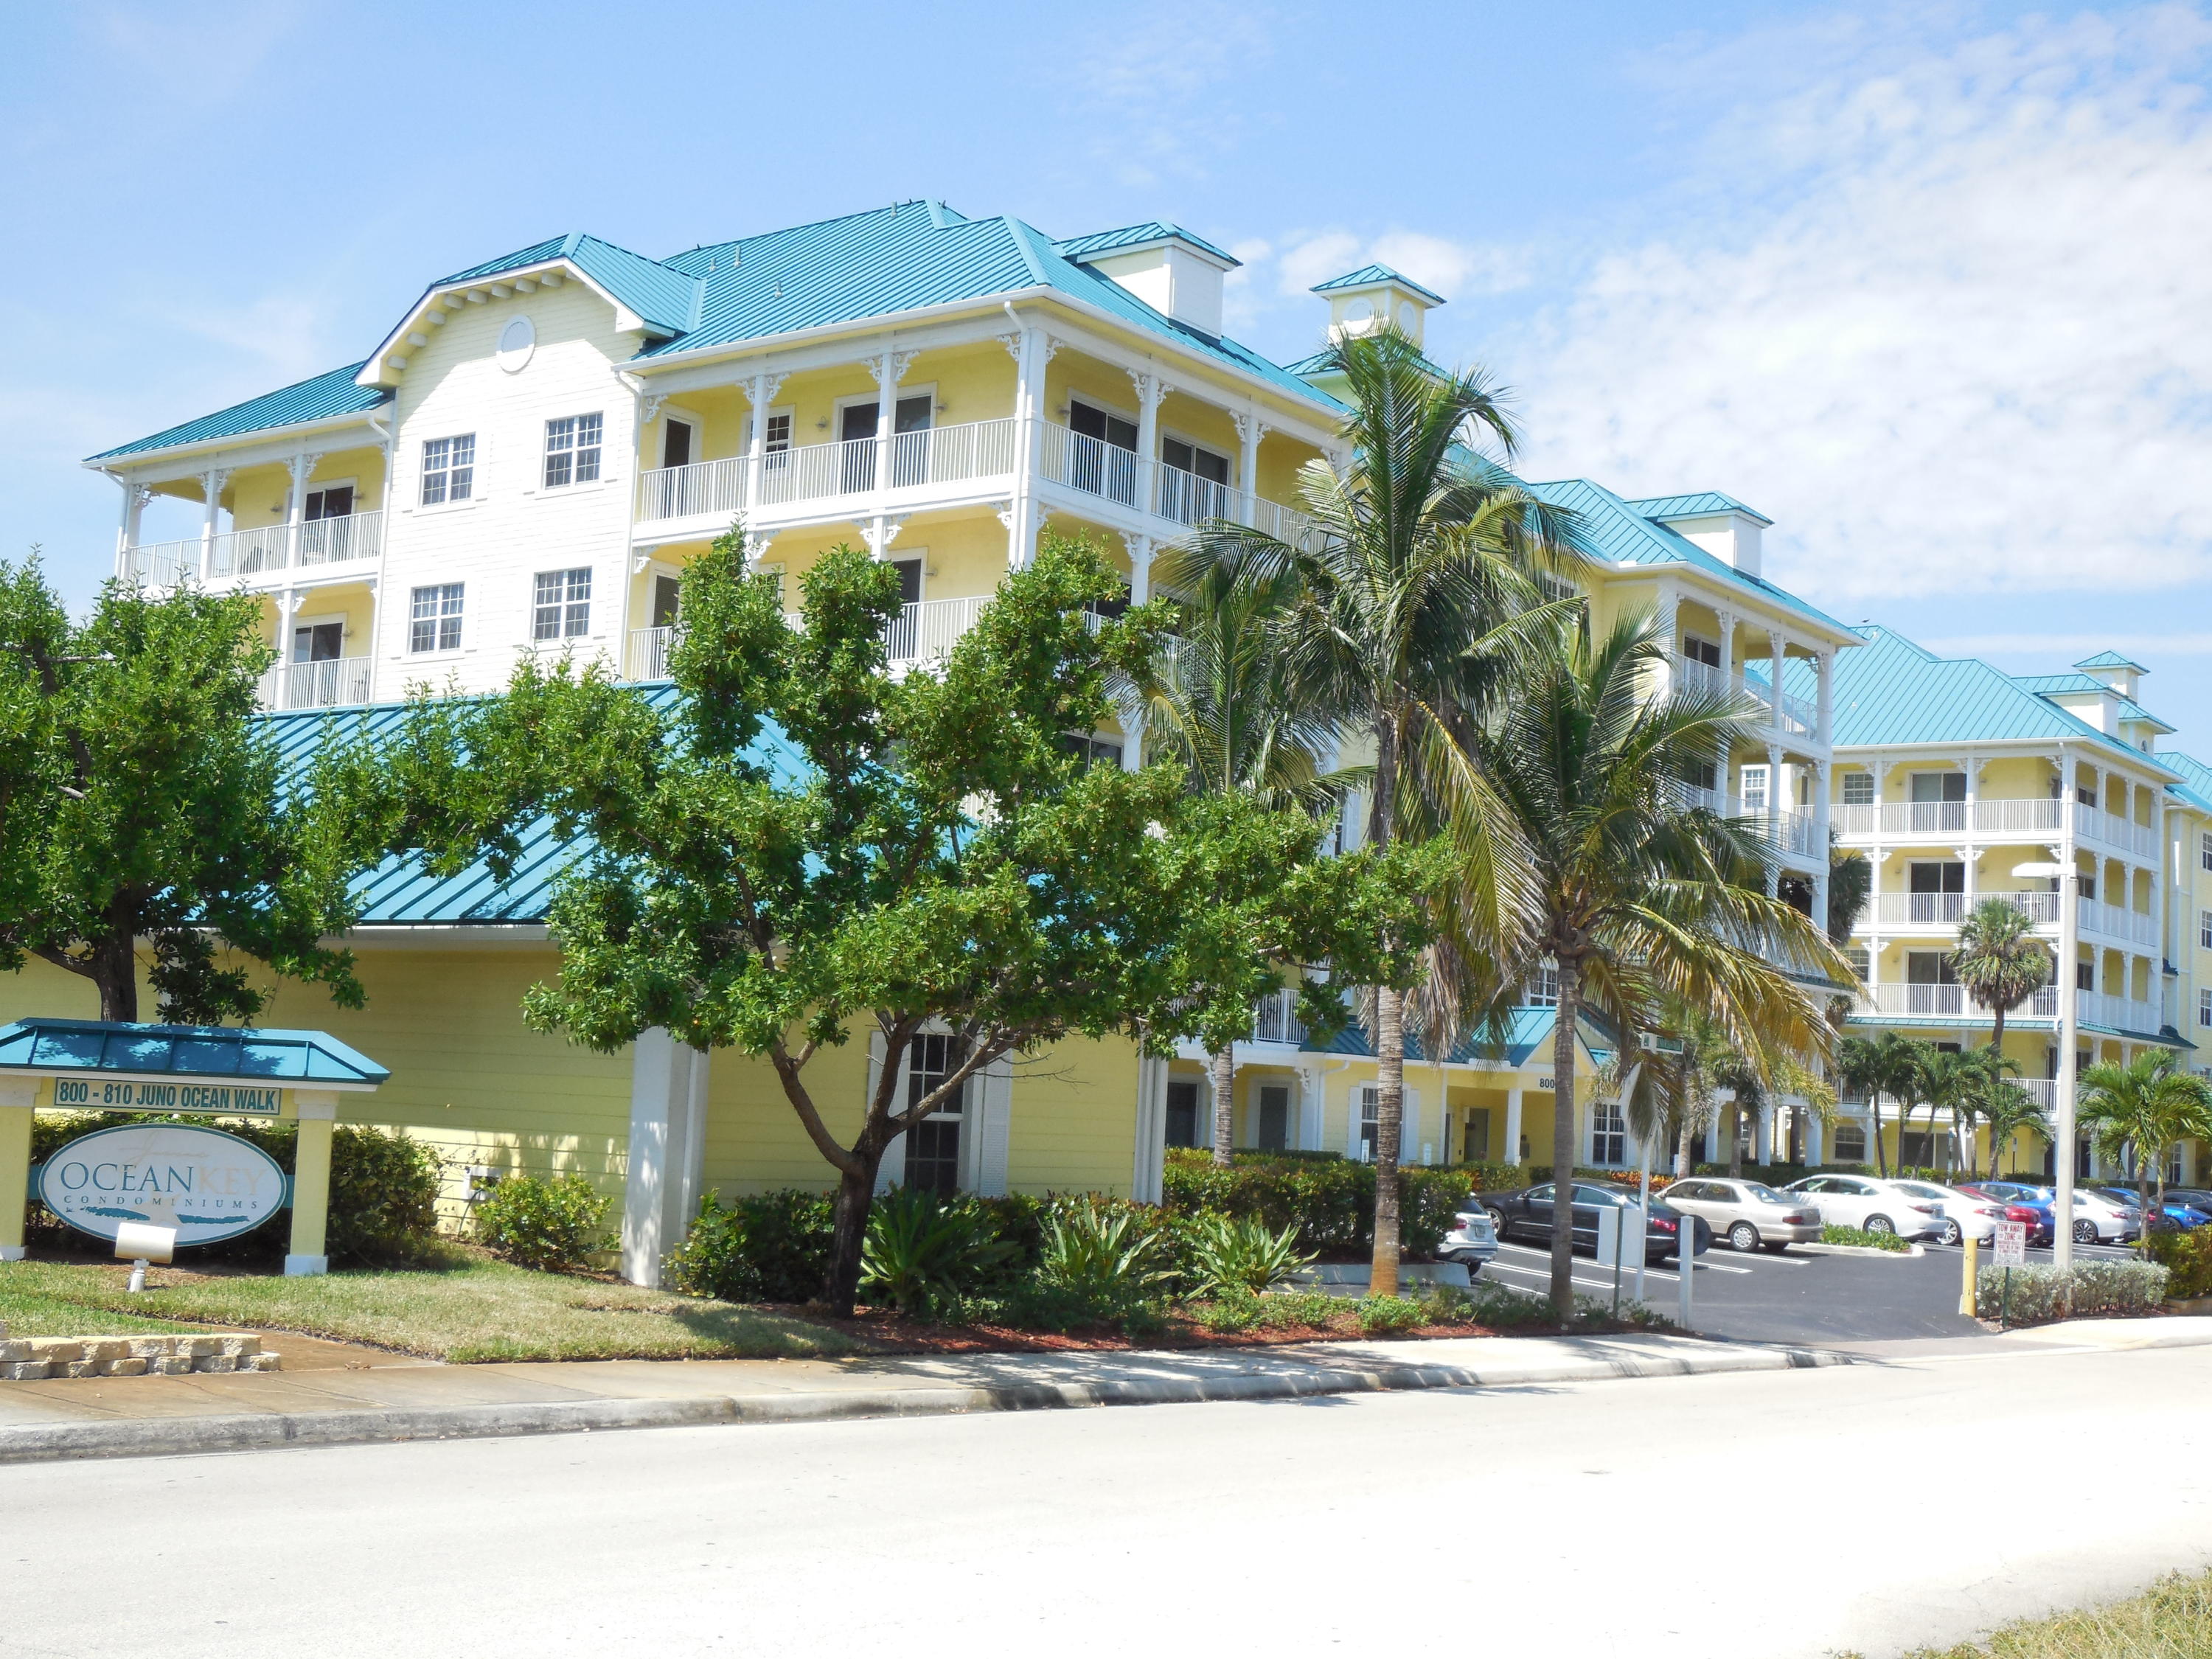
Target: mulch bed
[(896, 1332)]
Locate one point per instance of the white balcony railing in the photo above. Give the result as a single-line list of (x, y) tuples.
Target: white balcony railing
[(346, 540), (1949, 909), (2116, 921), (813, 472), (2116, 1013), (1188, 499), (647, 657), (333, 682), (1795, 714), (1949, 1001), (928, 630), (2115, 831), (1091, 464), (2038, 816), (1275, 1018)]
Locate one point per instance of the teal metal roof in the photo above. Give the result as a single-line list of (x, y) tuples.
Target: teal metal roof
[(902, 258), (2195, 786), (317, 399), (1370, 276), (2045, 684), (196, 1051), (1620, 534), (1699, 504), (401, 892), (1153, 230), (1895, 692), (2111, 660), (1528, 1035)]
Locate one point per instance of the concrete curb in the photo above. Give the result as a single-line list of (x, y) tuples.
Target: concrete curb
[(1905, 1254), (176, 1437)]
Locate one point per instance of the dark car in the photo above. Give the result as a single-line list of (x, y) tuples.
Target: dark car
[(2023, 1204), (2177, 1215), (1526, 1215)]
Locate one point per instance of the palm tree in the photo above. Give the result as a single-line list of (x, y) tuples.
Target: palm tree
[(1954, 1082), (2000, 961), (1219, 702), (1414, 592), (1875, 1067), (1641, 899), (2144, 1108), (2004, 1108)]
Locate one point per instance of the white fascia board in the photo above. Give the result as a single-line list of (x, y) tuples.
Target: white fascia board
[(441, 935), (265, 446), (1941, 749), (1738, 597), (1203, 255), (626, 320)]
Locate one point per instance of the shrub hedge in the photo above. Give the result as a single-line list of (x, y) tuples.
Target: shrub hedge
[(2098, 1288), (553, 1223), (2187, 1257), (384, 1189)]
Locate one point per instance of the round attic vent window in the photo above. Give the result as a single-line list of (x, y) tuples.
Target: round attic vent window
[(516, 343), (1407, 315), (1357, 311)]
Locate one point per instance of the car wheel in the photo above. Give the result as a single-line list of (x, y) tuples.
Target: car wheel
[(1953, 1233), (1743, 1236), (1879, 1223), (1774, 1249), (1497, 1221), (2085, 1232)]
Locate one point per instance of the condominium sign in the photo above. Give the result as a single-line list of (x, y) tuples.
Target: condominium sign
[(162, 1095), (208, 1185)]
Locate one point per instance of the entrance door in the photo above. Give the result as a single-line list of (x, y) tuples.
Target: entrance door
[(1275, 1118), (666, 592), (677, 445), (1182, 1114), (1936, 890), (1103, 456), (335, 501), (856, 430), (1478, 1135)]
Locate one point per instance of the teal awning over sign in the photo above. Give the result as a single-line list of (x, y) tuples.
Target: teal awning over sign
[(239, 1053)]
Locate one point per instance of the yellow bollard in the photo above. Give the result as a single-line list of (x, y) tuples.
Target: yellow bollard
[(17, 1096), (1971, 1255)]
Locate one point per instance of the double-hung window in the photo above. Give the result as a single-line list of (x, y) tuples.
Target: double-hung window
[(2204, 1008), (571, 450), (1858, 788), (561, 606), (434, 618), (2204, 928), (1608, 1134), (449, 469)]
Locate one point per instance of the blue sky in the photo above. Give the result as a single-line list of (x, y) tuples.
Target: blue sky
[(1927, 284)]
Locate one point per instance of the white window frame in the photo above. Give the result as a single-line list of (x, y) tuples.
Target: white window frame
[(598, 451), (1688, 655), (317, 486), (789, 414), (2204, 1007), (1608, 1122), (561, 604), (320, 619), (680, 415), (2204, 850), (1182, 437), (2204, 930), (423, 471), (1764, 774), (1856, 776), (460, 620), (1366, 1107)]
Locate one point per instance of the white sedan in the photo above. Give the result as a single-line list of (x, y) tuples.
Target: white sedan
[(1965, 1216), (1871, 1206), (2099, 1219)]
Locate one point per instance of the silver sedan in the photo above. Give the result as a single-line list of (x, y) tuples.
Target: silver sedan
[(1749, 1214)]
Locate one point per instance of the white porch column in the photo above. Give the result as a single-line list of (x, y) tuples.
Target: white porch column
[(1762, 1152), (1816, 1150), (1140, 589), (126, 534), (1512, 1126), (1146, 1178), (1774, 807), (302, 469), (1777, 655), (1032, 349), (1824, 666), (211, 483), (1822, 812), (889, 368), (760, 395), (1311, 1101), (667, 1147), (1249, 430), (1150, 390)]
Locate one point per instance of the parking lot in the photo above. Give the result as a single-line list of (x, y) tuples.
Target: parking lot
[(1793, 1297)]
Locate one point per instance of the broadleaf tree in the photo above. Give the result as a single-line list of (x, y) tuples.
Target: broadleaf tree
[(799, 847), (143, 809)]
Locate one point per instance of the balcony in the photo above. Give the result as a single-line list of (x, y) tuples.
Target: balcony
[(2116, 922), (2040, 817), (922, 632), (1167, 493), (1949, 909), (1792, 831), (1796, 715), (332, 683), (802, 479), (264, 550), (1947, 1002), (1275, 1018), (2116, 1013)]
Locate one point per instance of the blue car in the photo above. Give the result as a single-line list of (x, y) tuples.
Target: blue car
[(2044, 1228), (2187, 1216)]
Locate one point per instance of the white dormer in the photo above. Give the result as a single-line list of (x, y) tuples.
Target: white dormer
[(1365, 299), (1722, 526), (2115, 671), (1175, 273)]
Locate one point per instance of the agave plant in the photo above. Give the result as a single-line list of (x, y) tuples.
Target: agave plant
[(1231, 1254), (1104, 1254), (923, 1251)]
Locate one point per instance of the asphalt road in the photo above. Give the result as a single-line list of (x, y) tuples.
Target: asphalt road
[(1792, 1297), (1765, 1516)]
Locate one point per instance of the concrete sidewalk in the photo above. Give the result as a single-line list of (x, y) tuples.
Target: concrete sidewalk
[(163, 1416)]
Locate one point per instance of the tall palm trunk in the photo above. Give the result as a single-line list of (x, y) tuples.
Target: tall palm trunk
[(1223, 1066), (1389, 1049), (1736, 1140), (1568, 1016), (1683, 1147), (1880, 1157)]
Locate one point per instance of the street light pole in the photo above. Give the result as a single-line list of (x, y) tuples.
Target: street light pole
[(2062, 1088)]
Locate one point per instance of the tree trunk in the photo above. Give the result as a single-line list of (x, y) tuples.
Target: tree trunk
[(115, 971), (1736, 1140), (1880, 1157), (1389, 1119), (856, 1194), (1223, 1068), (1563, 1138), (2142, 1199), (1389, 1045), (1682, 1146)]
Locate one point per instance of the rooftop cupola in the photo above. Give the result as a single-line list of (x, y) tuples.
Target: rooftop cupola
[(1364, 299), (2115, 671), (1175, 273), (1722, 525)]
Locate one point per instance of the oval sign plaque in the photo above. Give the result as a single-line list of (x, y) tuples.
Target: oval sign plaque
[(208, 1185)]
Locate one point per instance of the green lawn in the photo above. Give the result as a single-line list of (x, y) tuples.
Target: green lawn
[(474, 1309), (2172, 1619)]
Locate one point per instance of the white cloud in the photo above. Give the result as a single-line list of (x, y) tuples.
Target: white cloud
[(1156, 81), (1937, 308)]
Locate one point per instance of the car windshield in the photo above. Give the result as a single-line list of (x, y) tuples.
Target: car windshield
[(1760, 1190), (1918, 1188)]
